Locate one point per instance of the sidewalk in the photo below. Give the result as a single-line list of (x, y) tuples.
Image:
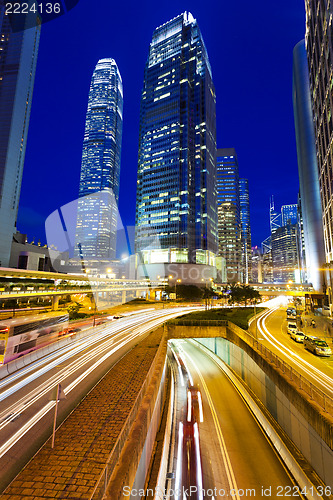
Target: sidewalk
[(323, 328), (86, 438)]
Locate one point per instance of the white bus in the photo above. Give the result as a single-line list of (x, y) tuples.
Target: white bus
[(18, 336)]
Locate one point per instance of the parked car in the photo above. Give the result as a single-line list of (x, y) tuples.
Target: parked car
[(298, 336), (291, 327), (317, 346)]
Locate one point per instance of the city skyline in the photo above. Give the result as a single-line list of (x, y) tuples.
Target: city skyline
[(31, 218)]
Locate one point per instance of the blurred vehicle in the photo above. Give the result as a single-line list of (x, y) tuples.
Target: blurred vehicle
[(194, 405), (291, 312), (317, 346), (291, 327), (298, 336), (25, 334)]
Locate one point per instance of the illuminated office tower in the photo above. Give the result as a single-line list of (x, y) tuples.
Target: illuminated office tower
[(289, 213), (229, 218), (319, 48), (100, 167), (176, 216), (18, 59), (244, 203)]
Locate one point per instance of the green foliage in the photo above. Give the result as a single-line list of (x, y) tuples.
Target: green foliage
[(238, 315), (73, 311), (242, 294)]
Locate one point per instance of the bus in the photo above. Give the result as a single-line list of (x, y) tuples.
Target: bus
[(19, 336)]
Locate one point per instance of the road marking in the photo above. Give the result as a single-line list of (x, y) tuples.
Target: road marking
[(223, 447)]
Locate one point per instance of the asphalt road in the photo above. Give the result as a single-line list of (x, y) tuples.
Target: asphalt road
[(272, 332), (26, 405), (236, 457)]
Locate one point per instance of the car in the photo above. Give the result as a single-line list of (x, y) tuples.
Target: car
[(291, 312), (291, 327), (297, 336), (317, 346)]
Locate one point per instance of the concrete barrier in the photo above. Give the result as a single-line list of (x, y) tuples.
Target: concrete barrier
[(132, 466)]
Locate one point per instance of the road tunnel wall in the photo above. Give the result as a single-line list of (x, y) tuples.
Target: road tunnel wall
[(294, 414)]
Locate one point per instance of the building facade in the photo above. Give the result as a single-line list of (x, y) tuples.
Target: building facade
[(176, 215), (229, 217), (285, 254), (100, 168), (289, 213), (18, 60), (244, 202), (319, 47), (311, 222)]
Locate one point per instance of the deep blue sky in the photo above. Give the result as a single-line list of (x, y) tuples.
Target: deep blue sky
[(250, 48)]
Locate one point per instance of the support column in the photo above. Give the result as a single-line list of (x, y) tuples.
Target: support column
[(55, 302), (123, 296)]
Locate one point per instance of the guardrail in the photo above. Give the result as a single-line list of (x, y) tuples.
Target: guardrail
[(316, 395)]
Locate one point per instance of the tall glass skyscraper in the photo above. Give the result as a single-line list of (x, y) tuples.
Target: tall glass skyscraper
[(176, 215), (100, 168), (229, 221), (244, 203), (18, 59)]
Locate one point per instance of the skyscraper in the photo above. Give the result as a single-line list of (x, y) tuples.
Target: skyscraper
[(285, 253), (100, 167), (18, 59), (289, 213), (229, 219), (319, 48), (244, 203), (176, 219)]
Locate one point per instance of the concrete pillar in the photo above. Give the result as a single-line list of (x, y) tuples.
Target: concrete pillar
[(55, 302), (123, 296), (138, 293)]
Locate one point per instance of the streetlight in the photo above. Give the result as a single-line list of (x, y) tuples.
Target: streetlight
[(177, 281)]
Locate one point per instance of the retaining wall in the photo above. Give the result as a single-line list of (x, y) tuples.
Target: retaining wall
[(292, 411)]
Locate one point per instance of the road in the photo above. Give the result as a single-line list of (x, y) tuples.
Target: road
[(26, 414), (272, 332), (236, 459)]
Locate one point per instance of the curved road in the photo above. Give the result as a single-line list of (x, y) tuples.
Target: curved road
[(237, 460)]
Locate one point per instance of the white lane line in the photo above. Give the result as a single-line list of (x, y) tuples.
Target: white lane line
[(312, 371), (226, 459), (40, 414)]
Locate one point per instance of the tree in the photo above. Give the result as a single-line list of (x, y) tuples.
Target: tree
[(73, 310)]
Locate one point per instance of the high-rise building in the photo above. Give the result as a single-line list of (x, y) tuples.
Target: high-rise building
[(285, 253), (18, 59), (275, 218), (312, 219), (228, 206), (289, 213), (100, 167), (244, 202), (319, 47), (176, 215)]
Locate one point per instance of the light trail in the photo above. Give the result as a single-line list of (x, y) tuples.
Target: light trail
[(224, 452), (324, 380), (34, 396)]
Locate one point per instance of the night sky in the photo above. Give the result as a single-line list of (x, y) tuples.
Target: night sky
[(250, 48)]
